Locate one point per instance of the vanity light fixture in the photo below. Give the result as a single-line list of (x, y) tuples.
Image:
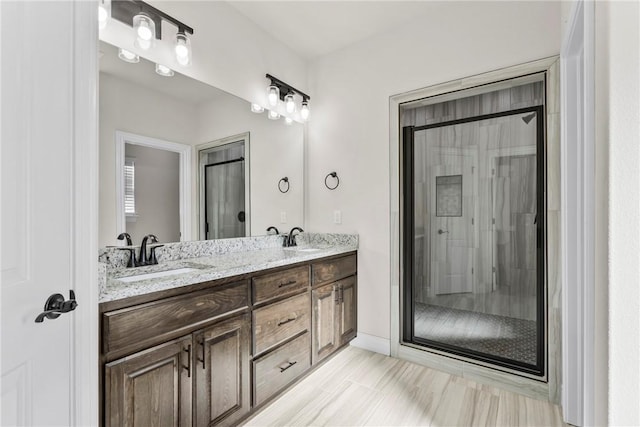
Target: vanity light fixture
[(279, 90), (183, 49), (273, 93), (128, 56), (257, 108), (104, 11), (146, 22), (145, 30), (304, 111), (273, 115), (164, 71), (289, 103)]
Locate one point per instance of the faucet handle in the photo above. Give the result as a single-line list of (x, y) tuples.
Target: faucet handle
[(132, 257), (152, 255)]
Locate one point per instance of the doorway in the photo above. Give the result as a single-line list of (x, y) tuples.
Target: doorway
[(224, 193), (153, 187), (474, 237)]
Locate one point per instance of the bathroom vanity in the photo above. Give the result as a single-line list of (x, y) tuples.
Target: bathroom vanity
[(211, 344)]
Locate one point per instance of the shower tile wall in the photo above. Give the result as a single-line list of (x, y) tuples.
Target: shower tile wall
[(491, 137)]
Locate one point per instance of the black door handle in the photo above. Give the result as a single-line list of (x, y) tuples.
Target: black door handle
[(56, 305)]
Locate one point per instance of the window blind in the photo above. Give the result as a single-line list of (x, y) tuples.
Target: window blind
[(129, 186)]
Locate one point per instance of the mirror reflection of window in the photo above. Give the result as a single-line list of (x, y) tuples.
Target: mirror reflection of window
[(129, 187)]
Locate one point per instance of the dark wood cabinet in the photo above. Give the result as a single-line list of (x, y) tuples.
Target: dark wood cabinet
[(347, 309), (222, 375), (334, 308), (204, 355), (325, 304), (152, 387)]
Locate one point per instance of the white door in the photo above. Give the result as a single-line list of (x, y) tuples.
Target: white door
[(452, 223), (40, 244)]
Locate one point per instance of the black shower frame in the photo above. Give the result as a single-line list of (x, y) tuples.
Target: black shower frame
[(408, 231)]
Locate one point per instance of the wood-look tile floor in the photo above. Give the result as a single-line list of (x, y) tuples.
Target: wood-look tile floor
[(361, 388)]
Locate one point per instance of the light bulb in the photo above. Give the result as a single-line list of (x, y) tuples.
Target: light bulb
[(103, 13), (257, 108), (163, 70), (145, 30), (273, 115), (273, 95), (128, 56), (289, 103), (304, 111), (288, 121), (182, 49)]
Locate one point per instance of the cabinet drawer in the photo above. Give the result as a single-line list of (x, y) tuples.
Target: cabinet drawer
[(329, 271), (279, 368), (278, 284), (277, 322), (144, 325)]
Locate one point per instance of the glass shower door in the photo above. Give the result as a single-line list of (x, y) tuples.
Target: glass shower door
[(474, 238), (225, 199)]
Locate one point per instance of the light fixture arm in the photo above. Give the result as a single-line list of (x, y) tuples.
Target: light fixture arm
[(285, 88), (125, 10)]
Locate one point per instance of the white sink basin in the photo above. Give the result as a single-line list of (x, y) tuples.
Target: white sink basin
[(157, 274)]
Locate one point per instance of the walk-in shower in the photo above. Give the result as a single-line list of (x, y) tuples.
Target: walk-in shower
[(474, 227)]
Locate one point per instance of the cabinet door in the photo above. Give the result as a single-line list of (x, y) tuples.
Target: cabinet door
[(150, 388), (222, 372), (347, 307), (325, 339)]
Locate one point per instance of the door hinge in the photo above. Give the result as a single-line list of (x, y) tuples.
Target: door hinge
[(493, 269), (473, 221), (493, 171), (471, 270), (493, 221), (473, 168)]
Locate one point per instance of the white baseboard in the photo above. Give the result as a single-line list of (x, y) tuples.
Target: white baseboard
[(372, 343)]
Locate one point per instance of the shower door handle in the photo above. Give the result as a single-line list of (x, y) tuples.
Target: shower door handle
[(441, 231)]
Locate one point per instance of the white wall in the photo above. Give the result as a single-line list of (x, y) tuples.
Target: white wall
[(130, 108), (276, 151), (618, 200), (157, 193), (230, 52), (349, 129)]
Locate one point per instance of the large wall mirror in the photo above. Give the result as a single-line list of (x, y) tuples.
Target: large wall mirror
[(186, 161)]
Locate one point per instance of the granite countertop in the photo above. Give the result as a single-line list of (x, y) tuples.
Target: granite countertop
[(210, 268)]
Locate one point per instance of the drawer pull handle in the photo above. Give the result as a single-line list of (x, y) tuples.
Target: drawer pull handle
[(287, 366), (188, 367), (289, 283), (284, 322)]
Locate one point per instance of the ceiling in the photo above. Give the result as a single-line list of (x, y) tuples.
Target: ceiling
[(315, 28)]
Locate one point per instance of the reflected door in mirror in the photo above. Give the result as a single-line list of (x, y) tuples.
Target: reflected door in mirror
[(224, 191)]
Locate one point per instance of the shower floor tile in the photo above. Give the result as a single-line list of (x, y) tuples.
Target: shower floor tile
[(501, 336)]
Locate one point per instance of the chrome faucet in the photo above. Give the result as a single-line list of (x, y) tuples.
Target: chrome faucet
[(142, 257), (290, 240)]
